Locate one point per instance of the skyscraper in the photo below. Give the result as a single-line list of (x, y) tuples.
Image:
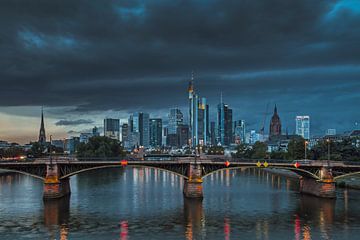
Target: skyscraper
[(303, 126), (224, 120), (239, 131), (183, 135), (155, 132), (213, 133), (42, 135), (112, 128), (125, 133), (198, 117), (275, 124), (139, 123), (175, 119)]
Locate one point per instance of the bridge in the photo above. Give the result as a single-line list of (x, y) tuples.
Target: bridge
[(316, 177)]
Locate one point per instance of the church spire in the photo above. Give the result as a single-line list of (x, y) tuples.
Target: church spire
[(42, 135)]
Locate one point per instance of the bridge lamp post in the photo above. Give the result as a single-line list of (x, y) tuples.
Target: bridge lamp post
[(305, 148)]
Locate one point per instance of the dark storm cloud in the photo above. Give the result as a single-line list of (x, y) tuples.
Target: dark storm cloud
[(73, 122), (136, 55)]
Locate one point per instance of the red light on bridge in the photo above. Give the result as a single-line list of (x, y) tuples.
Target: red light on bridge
[(227, 163), (297, 165), (124, 163)]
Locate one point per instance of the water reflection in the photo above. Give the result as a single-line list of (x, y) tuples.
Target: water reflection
[(194, 218), (56, 216), (148, 204)]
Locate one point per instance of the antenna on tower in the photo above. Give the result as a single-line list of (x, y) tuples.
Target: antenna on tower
[(221, 97)]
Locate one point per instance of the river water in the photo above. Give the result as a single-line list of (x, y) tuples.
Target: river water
[(139, 203)]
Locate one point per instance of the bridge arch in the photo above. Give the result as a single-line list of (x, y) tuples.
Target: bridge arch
[(24, 173), (119, 166), (298, 171), (346, 175)]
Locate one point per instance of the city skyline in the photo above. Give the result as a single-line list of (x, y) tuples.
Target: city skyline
[(308, 63)]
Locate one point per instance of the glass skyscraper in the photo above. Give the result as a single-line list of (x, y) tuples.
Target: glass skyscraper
[(303, 126), (224, 120), (198, 117), (112, 128)]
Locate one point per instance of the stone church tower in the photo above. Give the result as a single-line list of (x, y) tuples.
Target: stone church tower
[(275, 124), (42, 135)]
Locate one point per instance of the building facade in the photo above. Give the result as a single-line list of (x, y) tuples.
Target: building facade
[(175, 119), (112, 128), (275, 124), (198, 117), (224, 120), (303, 126), (155, 132), (239, 132)]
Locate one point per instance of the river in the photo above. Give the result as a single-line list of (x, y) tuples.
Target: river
[(140, 203)]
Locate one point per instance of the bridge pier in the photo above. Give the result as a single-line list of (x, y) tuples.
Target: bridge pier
[(324, 188), (193, 185), (53, 186)]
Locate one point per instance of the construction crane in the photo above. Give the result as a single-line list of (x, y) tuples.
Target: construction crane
[(262, 129)]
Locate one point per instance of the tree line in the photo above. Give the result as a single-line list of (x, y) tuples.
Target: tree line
[(343, 150)]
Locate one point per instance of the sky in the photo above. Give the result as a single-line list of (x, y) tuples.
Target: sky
[(87, 60)]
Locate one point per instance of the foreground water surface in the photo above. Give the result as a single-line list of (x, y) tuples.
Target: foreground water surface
[(139, 203)]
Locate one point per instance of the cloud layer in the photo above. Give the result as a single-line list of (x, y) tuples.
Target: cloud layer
[(137, 55)]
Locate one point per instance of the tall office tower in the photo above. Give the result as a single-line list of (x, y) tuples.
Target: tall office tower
[(139, 123), (303, 126), (155, 132), (183, 135), (175, 119), (198, 117), (125, 133), (95, 132), (212, 134), (275, 124), (239, 131), (224, 124), (112, 128), (42, 135)]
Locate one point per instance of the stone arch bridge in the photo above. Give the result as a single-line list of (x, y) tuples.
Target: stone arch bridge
[(316, 177)]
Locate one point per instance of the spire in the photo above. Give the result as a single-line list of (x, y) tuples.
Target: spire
[(221, 97), (275, 109), (42, 135), (191, 83)]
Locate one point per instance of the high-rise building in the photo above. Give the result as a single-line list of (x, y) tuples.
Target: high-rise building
[(42, 135), (198, 117), (224, 120), (183, 135), (112, 128), (275, 124), (213, 133), (155, 132), (139, 123), (303, 126), (124, 133), (175, 119), (239, 131), (95, 132)]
